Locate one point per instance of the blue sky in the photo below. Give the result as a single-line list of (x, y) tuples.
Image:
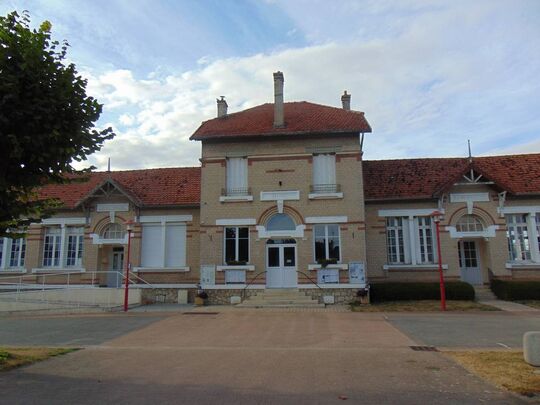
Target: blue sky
[(429, 75)]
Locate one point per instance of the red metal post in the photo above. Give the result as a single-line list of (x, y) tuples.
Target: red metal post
[(126, 290), (441, 276)]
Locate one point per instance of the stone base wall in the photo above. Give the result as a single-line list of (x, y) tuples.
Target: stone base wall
[(223, 297), (341, 295), (165, 295)]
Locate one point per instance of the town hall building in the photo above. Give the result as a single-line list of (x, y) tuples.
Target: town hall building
[(282, 199)]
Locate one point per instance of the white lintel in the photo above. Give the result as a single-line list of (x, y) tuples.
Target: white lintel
[(280, 195), (119, 207), (165, 218), (64, 221), (522, 209), (236, 221), (326, 220), (409, 212)]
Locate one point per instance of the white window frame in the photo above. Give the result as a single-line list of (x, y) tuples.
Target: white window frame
[(405, 232), (326, 244), (164, 223), (6, 249), (411, 238), (526, 227), (77, 233), (422, 234), (56, 245), (60, 243), (236, 243)]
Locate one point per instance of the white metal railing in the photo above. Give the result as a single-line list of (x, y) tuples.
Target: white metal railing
[(27, 288)]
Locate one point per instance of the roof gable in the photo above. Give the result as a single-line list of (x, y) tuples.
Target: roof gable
[(300, 118)]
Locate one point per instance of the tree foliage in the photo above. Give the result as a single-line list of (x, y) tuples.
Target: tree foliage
[(46, 119)]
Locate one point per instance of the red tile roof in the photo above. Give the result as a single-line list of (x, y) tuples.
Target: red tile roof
[(300, 118), (425, 178), (150, 187)]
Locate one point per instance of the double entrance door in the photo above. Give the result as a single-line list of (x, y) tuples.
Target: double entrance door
[(469, 262), (281, 263)]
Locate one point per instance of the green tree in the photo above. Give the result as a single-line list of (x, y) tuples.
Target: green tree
[(46, 120)]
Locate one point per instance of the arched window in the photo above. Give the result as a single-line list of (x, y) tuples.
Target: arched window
[(113, 231), (469, 223), (280, 222)]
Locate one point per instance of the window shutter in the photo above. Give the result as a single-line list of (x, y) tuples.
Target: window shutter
[(324, 169), (151, 255), (175, 251), (236, 173)]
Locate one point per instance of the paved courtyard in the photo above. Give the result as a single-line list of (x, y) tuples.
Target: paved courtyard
[(249, 356)]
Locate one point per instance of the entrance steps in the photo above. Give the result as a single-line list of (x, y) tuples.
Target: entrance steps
[(483, 293), (280, 298)]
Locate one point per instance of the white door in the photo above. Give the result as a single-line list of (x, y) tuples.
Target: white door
[(281, 266), (469, 262), (114, 277)]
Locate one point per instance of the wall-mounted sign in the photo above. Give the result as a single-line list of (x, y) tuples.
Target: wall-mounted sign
[(357, 273)]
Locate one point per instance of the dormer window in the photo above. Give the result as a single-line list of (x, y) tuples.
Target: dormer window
[(237, 177)]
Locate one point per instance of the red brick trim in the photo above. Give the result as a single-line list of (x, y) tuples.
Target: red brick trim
[(281, 171)]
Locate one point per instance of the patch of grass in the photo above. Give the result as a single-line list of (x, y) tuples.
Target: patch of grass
[(421, 306), (504, 369), (20, 356), (531, 303)]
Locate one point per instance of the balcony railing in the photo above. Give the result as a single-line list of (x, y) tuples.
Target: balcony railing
[(325, 188), (236, 192)]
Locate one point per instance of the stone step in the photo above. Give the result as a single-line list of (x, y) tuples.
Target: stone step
[(484, 293), (250, 305), (284, 296), (282, 302)]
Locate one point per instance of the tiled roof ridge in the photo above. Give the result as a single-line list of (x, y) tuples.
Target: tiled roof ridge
[(516, 155), (232, 114)]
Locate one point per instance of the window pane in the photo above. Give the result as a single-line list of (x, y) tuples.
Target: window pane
[(319, 231), (243, 232), (273, 257), (1, 250), (320, 252), (280, 222), (230, 233), (518, 237), (243, 250), (333, 248), (230, 250), (289, 259)]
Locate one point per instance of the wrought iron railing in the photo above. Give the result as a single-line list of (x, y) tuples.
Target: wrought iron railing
[(236, 192), (325, 188), (251, 282)]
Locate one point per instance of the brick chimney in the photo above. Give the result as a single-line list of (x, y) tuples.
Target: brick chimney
[(279, 116), (221, 107), (346, 101)]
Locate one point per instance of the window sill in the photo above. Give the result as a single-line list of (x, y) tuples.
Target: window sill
[(13, 270), (413, 267), (184, 269), (58, 270), (328, 267), (524, 265), (247, 267), (325, 196), (234, 198)]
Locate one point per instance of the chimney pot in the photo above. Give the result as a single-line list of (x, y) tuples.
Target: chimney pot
[(346, 101), (279, 116), (221, 107)]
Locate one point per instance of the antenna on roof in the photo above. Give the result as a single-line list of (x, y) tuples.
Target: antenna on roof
[(470, 154), (109, 165)]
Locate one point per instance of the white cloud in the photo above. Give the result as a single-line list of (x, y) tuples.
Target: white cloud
[(448, 74)]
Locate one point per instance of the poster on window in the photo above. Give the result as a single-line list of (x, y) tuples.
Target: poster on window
[(357, 273)]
